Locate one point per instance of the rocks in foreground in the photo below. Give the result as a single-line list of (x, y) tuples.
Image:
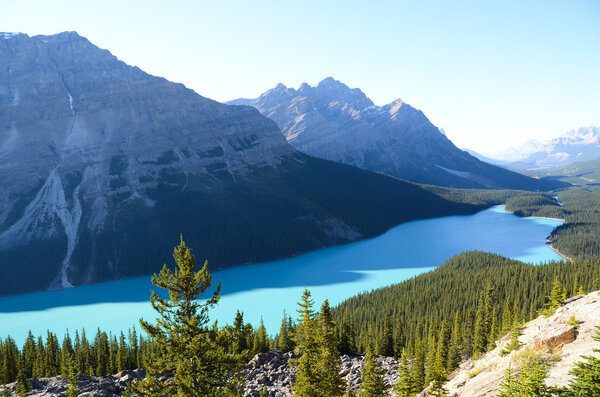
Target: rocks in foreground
[(89, 386), (265, 369), (272, 370), (552, 334)]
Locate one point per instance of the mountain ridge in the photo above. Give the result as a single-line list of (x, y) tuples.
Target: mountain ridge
[(103, 166), (338, 123), (575, 145)]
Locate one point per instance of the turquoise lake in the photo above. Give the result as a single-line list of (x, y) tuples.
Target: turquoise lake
[(266, 289)]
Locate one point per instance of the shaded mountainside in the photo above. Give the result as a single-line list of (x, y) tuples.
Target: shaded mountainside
[(103, 166), (341, 124)]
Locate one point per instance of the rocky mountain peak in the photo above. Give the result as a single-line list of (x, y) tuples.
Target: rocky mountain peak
[(83, 134), (9, 35), (338, 123)]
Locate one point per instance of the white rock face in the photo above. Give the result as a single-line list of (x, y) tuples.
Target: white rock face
[(539, 334)]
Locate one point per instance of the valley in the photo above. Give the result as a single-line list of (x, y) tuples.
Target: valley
[(333, 273), (316, 239)]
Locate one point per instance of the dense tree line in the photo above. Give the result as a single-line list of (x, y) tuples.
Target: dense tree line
[(579, 236), (457, 311), (432, 322)]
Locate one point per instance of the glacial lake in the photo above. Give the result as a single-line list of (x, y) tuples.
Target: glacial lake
[(266, 289)]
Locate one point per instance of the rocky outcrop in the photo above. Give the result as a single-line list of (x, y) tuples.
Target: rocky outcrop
[(273, 371), (338, 123), (482, 377), (89, 386), (270, 369)]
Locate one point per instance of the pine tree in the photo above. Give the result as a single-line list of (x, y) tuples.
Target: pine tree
[(555, 299), (23, 385), (199, 366), (285, 343), (373, 384), (418, 366), (454, 349), (405, 386), (71, 376), (493, 331), (479, 334), (305, 337), (507, 318), (399, 339), (347, 339), (468, 331), (261, 340), (329, 357), (586, 374), (516, 314), (29, 349), (66, 354), (386, 348), (121, 354), (439, 368), (431, 351)]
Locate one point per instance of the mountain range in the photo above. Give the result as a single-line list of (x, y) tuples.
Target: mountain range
[(577, 145), (102, 166), (582, 144), (338, 123)]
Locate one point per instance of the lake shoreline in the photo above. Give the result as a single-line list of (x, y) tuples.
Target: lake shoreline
[(558, 252), (547, 241)]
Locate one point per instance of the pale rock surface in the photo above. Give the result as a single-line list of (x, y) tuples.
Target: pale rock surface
[(482, 377)]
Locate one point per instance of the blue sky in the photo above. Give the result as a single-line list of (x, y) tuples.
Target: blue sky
[(492, 74)]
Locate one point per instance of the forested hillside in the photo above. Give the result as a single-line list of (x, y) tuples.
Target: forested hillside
[(457, 310), (579, 236)]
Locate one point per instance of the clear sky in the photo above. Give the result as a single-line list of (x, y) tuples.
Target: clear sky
[(491, 73)]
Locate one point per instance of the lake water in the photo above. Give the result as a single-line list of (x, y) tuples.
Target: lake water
[(266, 289)]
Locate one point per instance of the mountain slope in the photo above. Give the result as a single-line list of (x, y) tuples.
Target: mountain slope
[(582, 144), (552, 339), (337, 123), (102, 166)]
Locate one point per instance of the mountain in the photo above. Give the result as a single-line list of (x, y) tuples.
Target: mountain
[(335, 122), (577, 173), (102, 166), (582, 144), (486, 159)]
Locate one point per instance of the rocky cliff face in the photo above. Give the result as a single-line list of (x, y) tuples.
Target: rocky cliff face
[(335, 122), (83, 136), (102, 166)]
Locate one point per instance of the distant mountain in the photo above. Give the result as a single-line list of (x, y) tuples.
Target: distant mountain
[(486, 159), (577, 173), (582, 144), (102, 166), (335, 122)]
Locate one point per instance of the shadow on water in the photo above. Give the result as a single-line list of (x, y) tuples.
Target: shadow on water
[(417, 244)]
